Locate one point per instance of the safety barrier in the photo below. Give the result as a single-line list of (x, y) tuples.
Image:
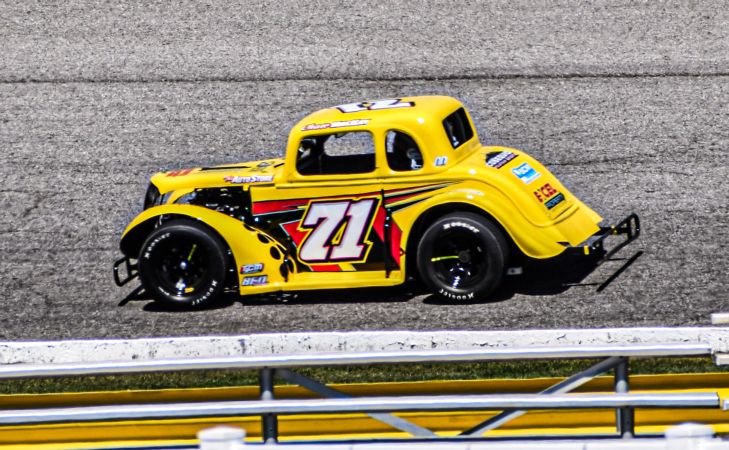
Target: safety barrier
[(99, 350), (614, 358)]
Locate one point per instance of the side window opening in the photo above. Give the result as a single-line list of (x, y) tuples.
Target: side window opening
[(458, 128), (402, 152), (340, 153)]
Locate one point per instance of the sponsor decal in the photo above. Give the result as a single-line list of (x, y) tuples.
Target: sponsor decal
[(526, 173), (545, 192), (497, 160), (375, 105), (441, 161), (251, 268), (549, 196), (249, 179), (551, 203), (258, 280), (337, 124)]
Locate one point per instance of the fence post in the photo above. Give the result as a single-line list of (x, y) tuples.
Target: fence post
[(269, 422), (624, 417)]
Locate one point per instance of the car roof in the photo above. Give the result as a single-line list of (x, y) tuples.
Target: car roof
[(403, 110)]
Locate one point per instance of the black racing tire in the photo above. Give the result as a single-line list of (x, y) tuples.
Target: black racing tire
[(183, 263), (461, 257)]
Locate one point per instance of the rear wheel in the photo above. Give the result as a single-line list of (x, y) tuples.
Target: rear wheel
[(183, 263), (461, 257)]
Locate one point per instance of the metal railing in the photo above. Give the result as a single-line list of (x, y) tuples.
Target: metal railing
[(614, 358)]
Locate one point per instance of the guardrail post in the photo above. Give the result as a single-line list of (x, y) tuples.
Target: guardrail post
[(269, 422), (624, 417)]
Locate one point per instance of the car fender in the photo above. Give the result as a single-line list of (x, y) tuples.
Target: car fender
[(537, 240), (260, 260)]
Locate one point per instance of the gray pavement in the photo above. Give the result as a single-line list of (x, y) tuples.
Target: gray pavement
[(627, 103)]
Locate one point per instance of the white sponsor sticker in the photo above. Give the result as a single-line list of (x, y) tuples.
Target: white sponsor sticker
[(337, 124), (249, 179)]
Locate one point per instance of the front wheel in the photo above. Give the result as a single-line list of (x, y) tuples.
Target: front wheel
[(183, 263), (461, 257)]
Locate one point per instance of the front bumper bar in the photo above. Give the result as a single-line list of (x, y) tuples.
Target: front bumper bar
[(131, 271), (629, 227)]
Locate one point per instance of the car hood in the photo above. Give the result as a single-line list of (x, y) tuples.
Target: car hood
[(243, 174)]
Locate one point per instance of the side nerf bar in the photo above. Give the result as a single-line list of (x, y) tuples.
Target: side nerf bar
[(131, 271), (628, 227)]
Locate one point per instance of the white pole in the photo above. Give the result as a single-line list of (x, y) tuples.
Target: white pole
[(688, 436), (221, 438)]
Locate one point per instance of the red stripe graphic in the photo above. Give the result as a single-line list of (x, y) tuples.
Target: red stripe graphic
[(395, 234), (272, 206)]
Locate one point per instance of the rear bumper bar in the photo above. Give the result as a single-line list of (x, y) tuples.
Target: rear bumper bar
[(629, 228)]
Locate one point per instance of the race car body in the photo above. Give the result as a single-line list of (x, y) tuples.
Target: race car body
[(366, 195)]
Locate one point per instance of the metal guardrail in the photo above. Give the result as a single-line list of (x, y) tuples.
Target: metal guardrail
[(361, 405), (614, 358)]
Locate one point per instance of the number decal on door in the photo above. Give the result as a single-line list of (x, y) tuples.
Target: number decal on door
[(373, 106), (338, 231)]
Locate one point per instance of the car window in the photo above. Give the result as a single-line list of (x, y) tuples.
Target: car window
[(458, 128), (338, 153), (402, 152)]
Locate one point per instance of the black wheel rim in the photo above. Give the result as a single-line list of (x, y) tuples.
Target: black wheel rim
[(459, 259), (180, 267)]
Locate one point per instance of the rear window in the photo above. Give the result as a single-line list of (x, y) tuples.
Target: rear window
[(458, 128)]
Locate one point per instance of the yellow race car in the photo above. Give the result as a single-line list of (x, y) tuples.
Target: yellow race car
[(368, 194)]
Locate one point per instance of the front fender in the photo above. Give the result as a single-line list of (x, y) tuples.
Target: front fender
[(260, 259)]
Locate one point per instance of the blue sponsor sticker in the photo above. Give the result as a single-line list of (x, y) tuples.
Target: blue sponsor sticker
[(554, 201), (526, 173)]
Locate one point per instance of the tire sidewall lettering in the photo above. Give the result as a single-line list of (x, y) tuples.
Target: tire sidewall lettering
[(457, 224), (149, 248), (459, 297)]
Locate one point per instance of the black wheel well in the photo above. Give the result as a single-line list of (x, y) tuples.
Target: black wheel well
[(131, 244), (433, 214)]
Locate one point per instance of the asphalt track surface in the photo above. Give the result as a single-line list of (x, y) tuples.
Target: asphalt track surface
[(627, 102)]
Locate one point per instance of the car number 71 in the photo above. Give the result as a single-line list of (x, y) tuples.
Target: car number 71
[(338, 231)]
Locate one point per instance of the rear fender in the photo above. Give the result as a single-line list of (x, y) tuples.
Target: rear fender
[(534, 240), (261, 262)]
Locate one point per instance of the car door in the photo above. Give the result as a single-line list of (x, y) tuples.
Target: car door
[(331, 214)]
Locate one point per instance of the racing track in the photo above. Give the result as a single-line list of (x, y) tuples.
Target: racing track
[(627, 104)]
